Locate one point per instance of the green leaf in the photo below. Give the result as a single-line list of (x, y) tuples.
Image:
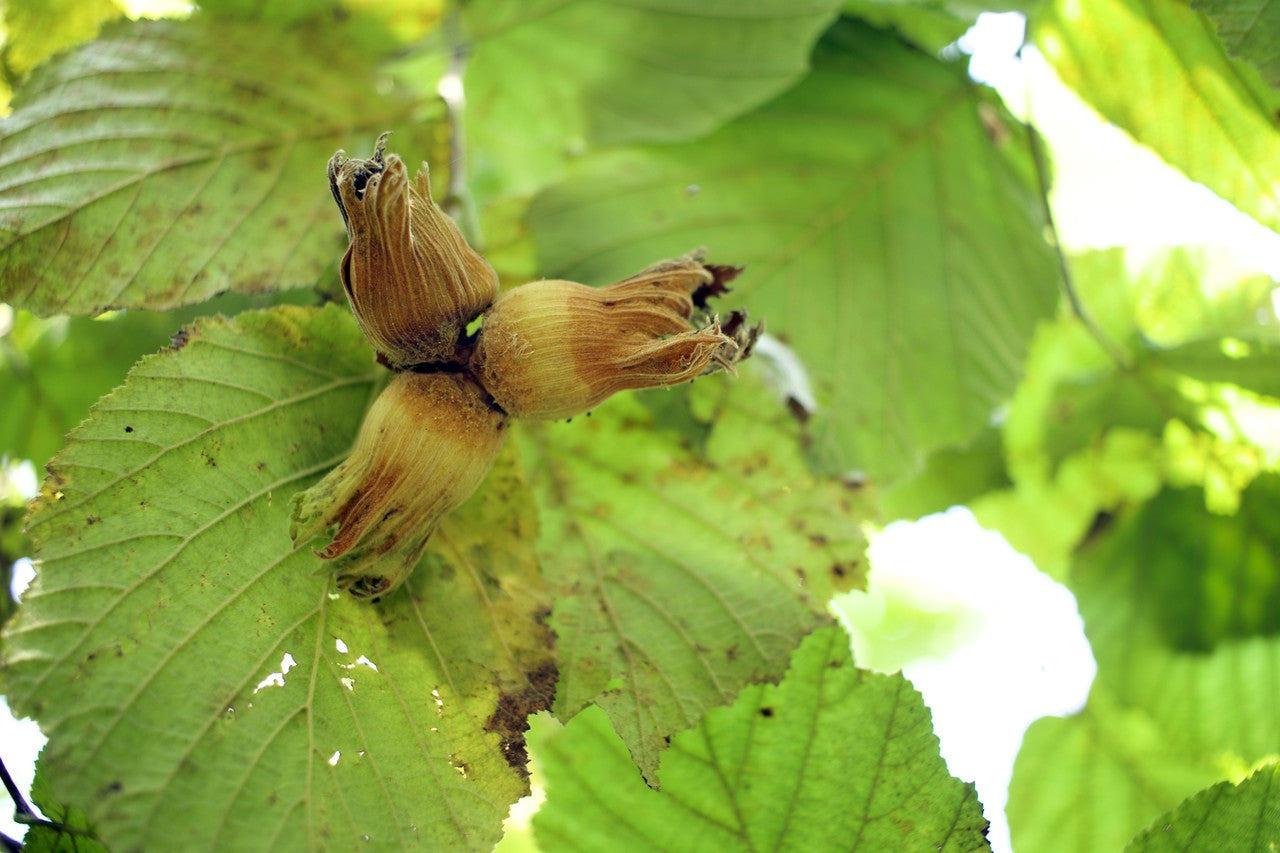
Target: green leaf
[(890, 243), (1203, 113), (681, 577), (170, 604), (546, 78), (72, 833), (37, 29), (950, 476), (1087, 783), (274, 11), (1222, 819), (169, 161), (1251, 31), (1180, 607), (832, 757), (1254, 365), (931, 24), (52, 371)]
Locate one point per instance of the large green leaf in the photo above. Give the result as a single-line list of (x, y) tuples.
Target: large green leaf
[(679, 576), (1180, 606), (52, 371), (1087, 783), (1223, 819), (1251, 31), (169, 161), (196, 674), (831, 758), (547, 77), (888, 241), (1156, 69)]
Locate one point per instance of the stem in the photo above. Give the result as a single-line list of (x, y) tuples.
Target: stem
[(1036, 146), (1064, 269), (458, 202), (20, 806), (22, 812)]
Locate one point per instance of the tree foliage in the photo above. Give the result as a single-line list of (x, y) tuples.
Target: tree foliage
[(655, 575)]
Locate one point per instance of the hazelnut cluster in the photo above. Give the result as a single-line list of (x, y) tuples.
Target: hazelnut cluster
[(546, 350)]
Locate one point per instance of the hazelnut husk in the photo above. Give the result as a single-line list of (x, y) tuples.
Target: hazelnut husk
[(413, 281), (553, 349), (423, 449)]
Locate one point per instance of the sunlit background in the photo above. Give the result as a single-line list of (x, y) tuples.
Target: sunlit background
[(990, 641)]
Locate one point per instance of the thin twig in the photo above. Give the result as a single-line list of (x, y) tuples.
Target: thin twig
[(22, 811), (20, 804), (458, 202), (1036, 146)]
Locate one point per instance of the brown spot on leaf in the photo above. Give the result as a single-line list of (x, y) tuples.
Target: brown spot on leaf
[(510, 719), (180, 338)]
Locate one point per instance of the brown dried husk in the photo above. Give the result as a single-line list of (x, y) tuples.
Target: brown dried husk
[(413, 282), (425, 445), (553, 349)]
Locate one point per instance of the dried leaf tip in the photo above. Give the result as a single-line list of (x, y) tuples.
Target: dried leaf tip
[(553, 349), (424, 447), (413, 281)]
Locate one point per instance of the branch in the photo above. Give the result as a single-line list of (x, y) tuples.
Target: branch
[(1036, 146), (458, 202), (1064, 269)]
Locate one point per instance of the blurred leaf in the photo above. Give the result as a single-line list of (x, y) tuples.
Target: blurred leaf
[(681, 577), (890, 243), (950, 476), (932, 24), (195, 674), (1222, 819), (37, 29), (1085, 437), (1182, 609), (284, 12), (1251, 31), (831, 757), (1254, 365), (1157, 70), (547, 77), (1089, 782), (168, 161)]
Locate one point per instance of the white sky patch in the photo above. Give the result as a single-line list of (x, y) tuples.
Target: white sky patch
[(1109, 190), (276, 679), (1021, 655), (349, 683), (335, 758), (360, 661), (435, 694), (340, 646)]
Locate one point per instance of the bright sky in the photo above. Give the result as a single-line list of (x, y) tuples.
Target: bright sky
[(1010, 647)]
